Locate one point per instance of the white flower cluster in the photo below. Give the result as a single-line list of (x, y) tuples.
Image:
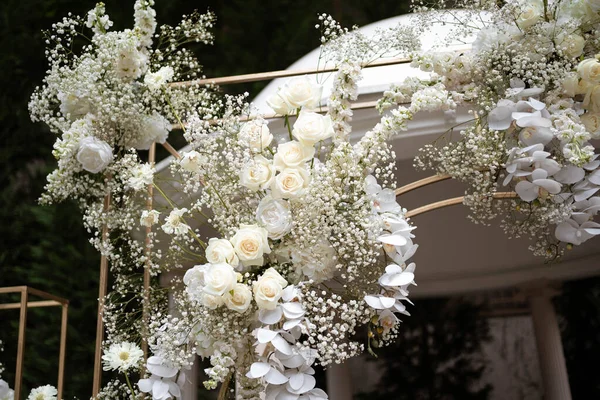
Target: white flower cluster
[(344, 91), (534, 78)]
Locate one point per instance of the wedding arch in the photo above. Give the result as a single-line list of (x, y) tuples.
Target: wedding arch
[(276, 241)]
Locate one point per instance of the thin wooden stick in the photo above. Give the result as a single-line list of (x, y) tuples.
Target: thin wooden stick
[(453, 201), (148, 263), (223, 391), (264, 76), (420, 183), (63, 349), (21, 343), (100, 322), (320, 110), (171, 150)]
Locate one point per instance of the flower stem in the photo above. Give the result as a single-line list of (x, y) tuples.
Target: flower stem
[(130, 387), (224, 388), (289, 127)]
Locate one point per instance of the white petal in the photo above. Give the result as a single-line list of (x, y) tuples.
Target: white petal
[(585, 194), (394, 240), (550, 185), (526, 190), (159, 389), (565, 232), (539, 173), (293, 361), (296, 381), (270, 317), (174, 389), (375, 302), (258, 369), (401, 279), (287, 325), (282, 345), (145, 385), (265, 335), (570, 174), (293, 310), (594, 177), (275, 377), (308, 384), (159, 369)]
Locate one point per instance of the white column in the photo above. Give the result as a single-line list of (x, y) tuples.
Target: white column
[(549, 345), (339, 382)]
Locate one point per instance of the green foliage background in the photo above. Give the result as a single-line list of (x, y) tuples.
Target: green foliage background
[(46, 247)]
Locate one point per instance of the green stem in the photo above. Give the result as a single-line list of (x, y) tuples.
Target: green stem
[(289, 127), (130, 387), (174, 112)]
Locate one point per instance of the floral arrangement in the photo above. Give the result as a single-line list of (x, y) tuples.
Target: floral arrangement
[(290, 243), (533, 81), (290, 250)]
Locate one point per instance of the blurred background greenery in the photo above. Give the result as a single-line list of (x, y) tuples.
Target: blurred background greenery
[(47, 248)]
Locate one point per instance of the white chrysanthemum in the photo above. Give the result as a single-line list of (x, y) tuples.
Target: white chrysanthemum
[(122, 356), (47, 392)]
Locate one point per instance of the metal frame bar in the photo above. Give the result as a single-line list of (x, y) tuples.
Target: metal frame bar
[(23, 305)]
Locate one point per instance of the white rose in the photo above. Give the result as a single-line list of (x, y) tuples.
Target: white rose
[(94, 154), (239, 298), (589, 70), (279, 105), (156, 80), (275, 215), (251, 243), (194, 281), (301, 91), (592, 99), (192, 161), (256, 135), (571, 45), (221, 251), (268, 289), (211, 301), (311, 128), (529, 14), (219, 278), (592, 123), (290, 183), (292, 155), (149, 218), (257, 174), (571, 84)]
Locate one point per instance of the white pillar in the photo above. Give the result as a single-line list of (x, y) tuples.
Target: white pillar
[(339, 382), (549, 345)]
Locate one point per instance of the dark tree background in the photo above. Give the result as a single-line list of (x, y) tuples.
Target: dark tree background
[(46, 247), (437, 356)]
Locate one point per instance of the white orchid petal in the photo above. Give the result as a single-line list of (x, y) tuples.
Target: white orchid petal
[(282, 345), (265, 335), (275, 377), (392, 239), (550, 185), (258, 369), (296, 380), (570, 174), (270, 317), (374, 302), (527, 191), (145, 385), (287, 325)]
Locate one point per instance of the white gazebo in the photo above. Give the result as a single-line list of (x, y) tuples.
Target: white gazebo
[(456, 256)]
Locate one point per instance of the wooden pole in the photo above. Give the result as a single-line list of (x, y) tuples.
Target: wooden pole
[(453, 201), (21, 343), (100, 322), (63, 349), (148, 263)]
